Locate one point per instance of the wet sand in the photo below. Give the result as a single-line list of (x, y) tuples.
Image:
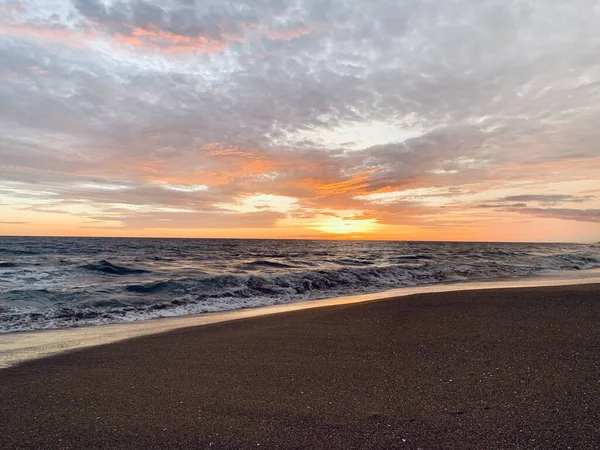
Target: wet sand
[(506, 368)]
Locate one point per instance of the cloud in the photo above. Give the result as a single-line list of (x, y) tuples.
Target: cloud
[(580, 215), (287, 32), (338, 105), (189, 27), (265, 219), (548, 199)]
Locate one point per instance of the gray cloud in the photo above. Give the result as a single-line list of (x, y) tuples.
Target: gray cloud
[(216, 21), (514, 205), (548, 199), (137, 91), (580, 215)]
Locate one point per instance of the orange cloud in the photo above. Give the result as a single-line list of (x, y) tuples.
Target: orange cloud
[(216, 149), (168, 42), (355, 185), (140, 38), (239, 170), (68, 37), (145, 38), (216, 165)]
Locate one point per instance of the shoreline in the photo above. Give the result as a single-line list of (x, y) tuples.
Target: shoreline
[(488, 368), (18, 347)]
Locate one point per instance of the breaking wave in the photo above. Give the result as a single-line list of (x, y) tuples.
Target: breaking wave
[(58, 288), (106, 267), (266, 264)]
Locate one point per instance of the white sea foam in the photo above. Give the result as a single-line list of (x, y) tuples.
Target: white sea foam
[(19, 347)]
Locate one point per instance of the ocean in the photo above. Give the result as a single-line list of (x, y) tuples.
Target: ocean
[(53, 282)]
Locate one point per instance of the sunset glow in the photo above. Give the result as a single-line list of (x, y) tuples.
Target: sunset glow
[(357, 120), (338, 225)]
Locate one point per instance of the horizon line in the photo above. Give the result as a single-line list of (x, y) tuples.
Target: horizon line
[(296, 239)]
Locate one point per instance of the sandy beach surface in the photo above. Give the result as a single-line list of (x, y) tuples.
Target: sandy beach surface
[(505, 368)]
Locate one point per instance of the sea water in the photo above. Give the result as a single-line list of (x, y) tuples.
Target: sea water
[(66, 282)]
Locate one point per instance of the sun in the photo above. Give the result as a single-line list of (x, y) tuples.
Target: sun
[(340, 225)]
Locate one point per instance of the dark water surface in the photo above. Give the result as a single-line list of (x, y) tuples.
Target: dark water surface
[(65, 282)]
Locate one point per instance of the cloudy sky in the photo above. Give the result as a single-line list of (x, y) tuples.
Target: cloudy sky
[(400, 119)]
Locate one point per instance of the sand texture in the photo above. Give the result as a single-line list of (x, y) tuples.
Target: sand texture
[(506, 368)]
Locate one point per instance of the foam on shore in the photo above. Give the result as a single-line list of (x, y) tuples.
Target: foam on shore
[(23, 346)]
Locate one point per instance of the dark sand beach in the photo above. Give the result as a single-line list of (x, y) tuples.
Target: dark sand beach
[(510, 368)]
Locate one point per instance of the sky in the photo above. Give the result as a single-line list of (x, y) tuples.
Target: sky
[(470, 120)]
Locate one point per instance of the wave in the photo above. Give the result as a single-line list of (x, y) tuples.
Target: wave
[(319, 283), (413, 257), (575, 262), (18, 252), (109, 268), (354, 262), (150, 288), (7, 265), (66, 302), (261, 264)]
